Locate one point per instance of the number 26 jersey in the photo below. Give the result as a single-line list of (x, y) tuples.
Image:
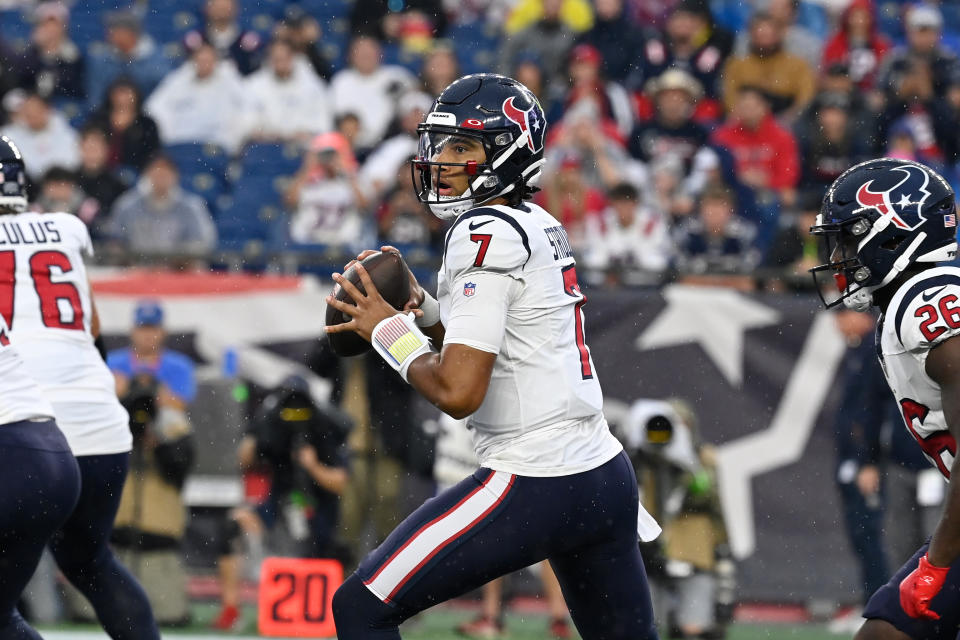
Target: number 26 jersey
[(924, 312), (508, 286), (45, 300)]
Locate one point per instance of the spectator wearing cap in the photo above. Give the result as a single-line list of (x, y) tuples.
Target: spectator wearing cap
[(381, 167), (786, 79), (924, 26), (629, 236), (285, 100), (132, 134), (60, 192), (146, 354), (716, 241), (764, 153), (326, 197), (857, 43), (128, 53), (369, 89), (617, 39), (202, 101), (828, 141), (52, 65), (690, 41), (797, 39), (587, 83), (44, 136), (157, 216), (222, 30), (303, 32), (672, 132), (548, 40)]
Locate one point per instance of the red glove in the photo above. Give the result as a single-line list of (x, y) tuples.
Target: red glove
[(918, 588)]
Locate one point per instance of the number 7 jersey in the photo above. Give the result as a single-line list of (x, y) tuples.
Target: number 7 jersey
[(508, 286), (924, 312), (45, 301)]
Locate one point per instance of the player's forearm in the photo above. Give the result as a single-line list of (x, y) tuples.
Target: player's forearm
[(438, 379), (332, 479), (945, 543), (436, 333)]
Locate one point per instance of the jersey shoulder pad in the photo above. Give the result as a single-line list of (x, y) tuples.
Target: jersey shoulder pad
[(926, 310), (76, 230), (486, 239)]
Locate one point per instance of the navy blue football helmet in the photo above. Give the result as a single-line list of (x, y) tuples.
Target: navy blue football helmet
[(13, 177), (506, 118), (879, 218)]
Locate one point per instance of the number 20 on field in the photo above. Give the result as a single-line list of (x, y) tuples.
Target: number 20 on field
[(296, 595)]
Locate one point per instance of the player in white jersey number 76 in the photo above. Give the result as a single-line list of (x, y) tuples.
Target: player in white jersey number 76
[(46, 302), (503, 346), (886, 224)]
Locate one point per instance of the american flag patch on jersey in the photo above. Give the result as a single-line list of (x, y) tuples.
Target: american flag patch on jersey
[(469, 289), (950, 220)]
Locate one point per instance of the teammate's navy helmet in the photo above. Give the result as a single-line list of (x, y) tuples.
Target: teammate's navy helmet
[(878, 218), (506, 118), (13, 177)]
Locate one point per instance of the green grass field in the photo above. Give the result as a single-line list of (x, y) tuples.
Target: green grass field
[(438, 624)]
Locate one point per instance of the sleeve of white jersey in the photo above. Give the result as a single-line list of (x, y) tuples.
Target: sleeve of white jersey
[(929, 314), (484, 258), (486, 240), (78, 232)]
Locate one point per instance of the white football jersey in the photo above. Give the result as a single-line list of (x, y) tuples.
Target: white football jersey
[(45, 300), (508, 286), (924, 312), (20, 396)]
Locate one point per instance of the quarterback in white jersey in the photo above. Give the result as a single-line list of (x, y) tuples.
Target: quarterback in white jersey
[(554, 483), (886, 224), (46, 303)]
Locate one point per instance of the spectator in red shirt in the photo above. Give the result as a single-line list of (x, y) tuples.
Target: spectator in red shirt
[(857, 43), (570, 199), (765, 154)]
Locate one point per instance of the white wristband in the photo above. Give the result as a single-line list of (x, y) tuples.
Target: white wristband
[(399, 341), (431, 311)]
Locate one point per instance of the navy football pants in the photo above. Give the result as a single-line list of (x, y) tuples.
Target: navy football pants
[(493, 523), (39, 485), (885, 604), (81, 549)]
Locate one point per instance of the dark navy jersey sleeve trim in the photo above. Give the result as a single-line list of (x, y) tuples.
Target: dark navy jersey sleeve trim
[(489, 211)]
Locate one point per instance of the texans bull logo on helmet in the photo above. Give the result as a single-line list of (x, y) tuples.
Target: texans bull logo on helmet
[(900, 202), (528, 121)]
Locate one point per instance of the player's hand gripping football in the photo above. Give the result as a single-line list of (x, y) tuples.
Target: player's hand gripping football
[(919, 588), (416, 291), (369, 310)]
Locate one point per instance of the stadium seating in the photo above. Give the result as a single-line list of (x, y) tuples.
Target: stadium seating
[(254, 215), (203, 169)]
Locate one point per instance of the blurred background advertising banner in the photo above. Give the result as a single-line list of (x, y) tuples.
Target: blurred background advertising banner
[(759, 370)]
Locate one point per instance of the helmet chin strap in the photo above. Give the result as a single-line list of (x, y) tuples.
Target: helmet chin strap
[(862, 298)]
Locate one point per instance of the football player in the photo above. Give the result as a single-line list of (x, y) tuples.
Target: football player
[(40, 481), (504, 345), (46, 301), (886, 224)]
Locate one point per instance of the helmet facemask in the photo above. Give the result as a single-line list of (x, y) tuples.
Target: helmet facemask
[(844, 273), (13, 188), (484, 184)]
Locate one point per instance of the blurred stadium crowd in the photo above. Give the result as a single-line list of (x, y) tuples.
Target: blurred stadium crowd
[(688, 136)]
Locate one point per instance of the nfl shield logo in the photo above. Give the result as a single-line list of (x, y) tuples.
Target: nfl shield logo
[(950, 220), (469, 289)]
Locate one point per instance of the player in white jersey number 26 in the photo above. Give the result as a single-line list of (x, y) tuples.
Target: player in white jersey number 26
[(886, 224), (503, 346)]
